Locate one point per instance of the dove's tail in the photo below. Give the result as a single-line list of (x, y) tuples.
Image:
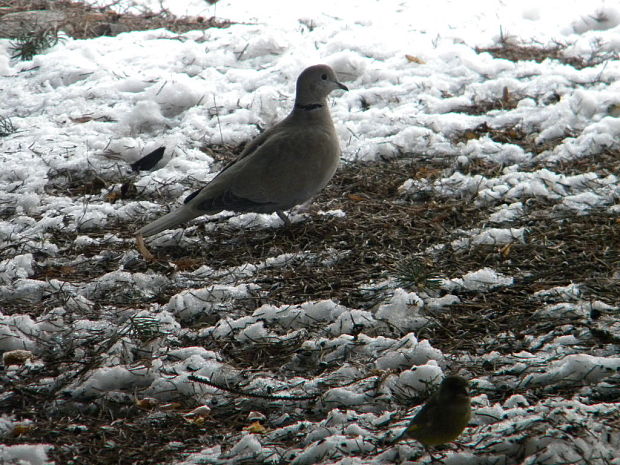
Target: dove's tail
[(172, 219)]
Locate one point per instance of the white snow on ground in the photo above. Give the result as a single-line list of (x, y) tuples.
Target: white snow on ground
[(27, 454), (142, 90)]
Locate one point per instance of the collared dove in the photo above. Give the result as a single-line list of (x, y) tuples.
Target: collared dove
[(285, 166)]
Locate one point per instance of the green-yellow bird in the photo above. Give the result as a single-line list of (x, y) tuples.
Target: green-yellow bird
[(444, 417)]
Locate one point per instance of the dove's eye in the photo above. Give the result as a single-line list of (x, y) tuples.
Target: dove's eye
[(324, 77)]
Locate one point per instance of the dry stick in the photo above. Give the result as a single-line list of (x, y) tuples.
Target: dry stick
[(219, 124), (233, 390), (202, 380)]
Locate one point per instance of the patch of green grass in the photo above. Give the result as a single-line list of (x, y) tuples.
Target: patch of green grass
[(412, 273), (6, 126), (33, 42)]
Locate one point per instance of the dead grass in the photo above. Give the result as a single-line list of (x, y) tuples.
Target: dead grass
[(104, 432), (557, 253), (510, 135), (511, 50), (83, 21), (604, 163), (380, 230)]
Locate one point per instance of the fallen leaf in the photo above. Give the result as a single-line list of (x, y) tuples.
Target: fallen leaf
[(256, 428), (82, 119), (147, 403), (21, 429), (505, 251), (414, 59), (112, 197)]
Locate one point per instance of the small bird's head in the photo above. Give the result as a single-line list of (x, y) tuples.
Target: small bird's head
[(315, 83), (453, 387)]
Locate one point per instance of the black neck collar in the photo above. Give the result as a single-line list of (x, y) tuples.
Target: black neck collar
[(311, 106)]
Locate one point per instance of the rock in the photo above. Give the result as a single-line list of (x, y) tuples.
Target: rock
[(14, 25)]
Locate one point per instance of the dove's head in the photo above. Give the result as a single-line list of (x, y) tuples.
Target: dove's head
[(315, 83)]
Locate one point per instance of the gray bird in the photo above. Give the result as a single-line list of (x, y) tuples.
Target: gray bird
[(285, 166)]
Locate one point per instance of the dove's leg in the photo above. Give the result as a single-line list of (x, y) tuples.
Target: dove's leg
[(304, 207), (284, 218)]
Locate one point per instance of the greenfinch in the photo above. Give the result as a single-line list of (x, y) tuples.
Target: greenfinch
[(444, 417)]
